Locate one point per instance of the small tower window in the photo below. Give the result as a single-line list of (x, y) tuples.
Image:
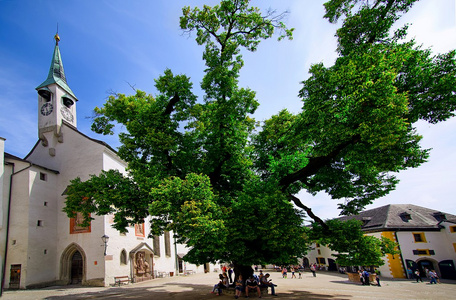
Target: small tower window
[(39, 223), (67, 101), (43, 176), (45, 93)]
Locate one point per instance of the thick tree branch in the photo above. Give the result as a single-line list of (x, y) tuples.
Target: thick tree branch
[(315, 164), (309, 212), (170, 107)]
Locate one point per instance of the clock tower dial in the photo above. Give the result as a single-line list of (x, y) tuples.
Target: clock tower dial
[(46, 109), (66, 114)]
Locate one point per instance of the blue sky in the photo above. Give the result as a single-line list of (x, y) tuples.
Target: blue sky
[(113, 45)]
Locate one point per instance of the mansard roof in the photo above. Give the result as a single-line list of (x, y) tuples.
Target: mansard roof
[(401, 217)]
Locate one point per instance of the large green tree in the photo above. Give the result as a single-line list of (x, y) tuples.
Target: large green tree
[(228, 189)]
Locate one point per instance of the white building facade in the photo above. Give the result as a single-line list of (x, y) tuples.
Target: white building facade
[(426, 239), (40, 245)]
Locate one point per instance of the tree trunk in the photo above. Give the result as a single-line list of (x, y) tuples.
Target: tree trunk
[(245, 271)]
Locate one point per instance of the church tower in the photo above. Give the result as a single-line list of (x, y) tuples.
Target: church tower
[(56, 101)]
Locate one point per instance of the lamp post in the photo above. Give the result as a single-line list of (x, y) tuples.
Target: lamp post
[(105, 240)]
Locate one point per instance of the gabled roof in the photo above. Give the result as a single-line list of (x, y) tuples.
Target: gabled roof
[(399, 217), (13, 157), (56, 72), (141, 246), (77, 131)]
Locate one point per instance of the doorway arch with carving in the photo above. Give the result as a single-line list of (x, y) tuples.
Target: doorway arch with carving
[(73, 265)]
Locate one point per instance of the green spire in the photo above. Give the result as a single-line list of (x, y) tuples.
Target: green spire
[(56, 73)]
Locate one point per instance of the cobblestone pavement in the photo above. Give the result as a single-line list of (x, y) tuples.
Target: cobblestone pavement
[(326, 285)]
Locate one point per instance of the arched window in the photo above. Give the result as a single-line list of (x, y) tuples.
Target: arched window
[(156, 245), (167, 244), (123, 257)]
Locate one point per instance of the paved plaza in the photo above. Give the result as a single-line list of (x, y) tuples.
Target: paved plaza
[(198, 286)]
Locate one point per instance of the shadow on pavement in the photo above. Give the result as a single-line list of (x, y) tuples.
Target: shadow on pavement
[(183, 292)]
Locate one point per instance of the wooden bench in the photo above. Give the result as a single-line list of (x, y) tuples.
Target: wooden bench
[(121, 279), (162, 274)]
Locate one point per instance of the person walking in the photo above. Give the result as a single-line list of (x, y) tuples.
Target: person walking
[(433, 277), (409, 273), (418, 275), (377, 278), (366, 277), (230, 274), (313, 269), (361, 279), (293, 272)]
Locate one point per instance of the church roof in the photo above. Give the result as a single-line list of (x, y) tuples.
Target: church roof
[(400, 217), (82, 134), (56, 72), (13, 157)]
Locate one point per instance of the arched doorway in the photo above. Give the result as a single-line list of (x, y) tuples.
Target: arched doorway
[(412, 266), (332, 265), (447, 269), (73, 265), (305, 262), (76, 268), (425, 264)]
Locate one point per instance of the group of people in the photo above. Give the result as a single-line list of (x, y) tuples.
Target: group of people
[(253, 283), (430, 275), (364, 277), (293, 269)]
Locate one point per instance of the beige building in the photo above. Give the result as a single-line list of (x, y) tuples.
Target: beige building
[(39, 244), (426, 238)]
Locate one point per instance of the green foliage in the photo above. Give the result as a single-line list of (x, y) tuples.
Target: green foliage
[(108, 193), (200, 169), (353, 246)]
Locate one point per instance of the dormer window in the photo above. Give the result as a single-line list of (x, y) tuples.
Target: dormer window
[(439, 216), (405, 216), (365, 220)]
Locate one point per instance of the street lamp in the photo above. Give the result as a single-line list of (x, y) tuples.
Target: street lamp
[(105, 240)]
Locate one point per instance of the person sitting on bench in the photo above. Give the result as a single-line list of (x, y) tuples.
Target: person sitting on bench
[(252, 284), (265, 282)]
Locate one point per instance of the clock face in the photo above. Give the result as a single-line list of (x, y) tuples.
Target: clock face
[(66, 114), (47, 109)]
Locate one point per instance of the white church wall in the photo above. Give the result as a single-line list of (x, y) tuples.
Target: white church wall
[(19, 222), (42, 226), (112, 162)]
